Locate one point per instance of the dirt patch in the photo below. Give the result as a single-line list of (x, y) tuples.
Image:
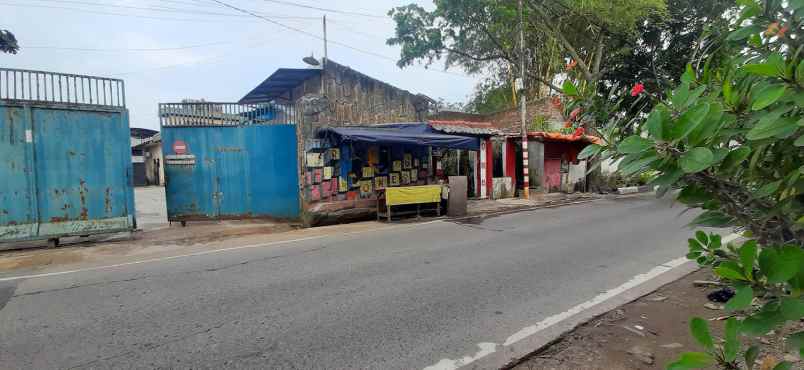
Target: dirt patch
[(648, 333), (152, 243), (29, 260), (199, 234)]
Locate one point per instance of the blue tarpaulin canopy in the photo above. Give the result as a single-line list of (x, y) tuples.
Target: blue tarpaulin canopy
[(402, 134)]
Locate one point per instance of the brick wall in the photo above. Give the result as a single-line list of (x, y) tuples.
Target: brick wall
[(351, 97), (509, 122)]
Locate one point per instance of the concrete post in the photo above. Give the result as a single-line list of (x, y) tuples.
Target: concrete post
[(536, 164), (523, 105)]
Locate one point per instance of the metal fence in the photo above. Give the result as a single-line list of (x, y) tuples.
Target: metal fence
[(224, 114), (52, 87)]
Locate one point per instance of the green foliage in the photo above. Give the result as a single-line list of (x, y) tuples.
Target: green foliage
[(696, 160), (483, 35), (667, 41), (741, 300), (725, 353), (492, 96), (540, 123), (700, 331), (772, 276), (727, 136), (692, 360), (569, 88), (634, 144), (8, 43)]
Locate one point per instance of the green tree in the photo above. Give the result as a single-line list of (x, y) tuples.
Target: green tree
[(728, 140), (478, 34), (492, 95), (8, 43), (664, 44)]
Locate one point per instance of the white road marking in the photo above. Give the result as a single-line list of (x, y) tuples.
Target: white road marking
[(485, 350), (214, 251), (262, 245), (488, 348)]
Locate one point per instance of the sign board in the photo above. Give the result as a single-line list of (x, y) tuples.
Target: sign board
[(179, 147), (180, 160)]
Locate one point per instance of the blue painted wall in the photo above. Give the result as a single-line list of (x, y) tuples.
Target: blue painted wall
[(65, 170), (239, 172), (16, 187), (85, 174)]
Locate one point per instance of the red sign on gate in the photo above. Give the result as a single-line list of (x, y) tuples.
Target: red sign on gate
[(179, 147)]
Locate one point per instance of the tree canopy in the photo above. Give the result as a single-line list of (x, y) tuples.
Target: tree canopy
[(620, 42), (8, 43), (478, 35), (664, 44)]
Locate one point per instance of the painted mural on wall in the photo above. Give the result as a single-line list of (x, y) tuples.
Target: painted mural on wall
[(336, 171)]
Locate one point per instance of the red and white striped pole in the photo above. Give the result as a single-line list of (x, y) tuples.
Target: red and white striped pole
[(525, 176), (523, 109)]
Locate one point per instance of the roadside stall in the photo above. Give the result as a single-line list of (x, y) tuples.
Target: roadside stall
[(428, 196), (394, 167)]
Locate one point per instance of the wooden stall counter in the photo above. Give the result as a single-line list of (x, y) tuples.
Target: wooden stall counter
[(427, 195)]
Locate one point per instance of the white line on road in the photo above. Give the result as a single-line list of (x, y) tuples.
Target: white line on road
[(214, 251), (262, 245), (487, 348)]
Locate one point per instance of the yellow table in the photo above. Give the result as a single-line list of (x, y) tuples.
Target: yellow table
[(405, 195)]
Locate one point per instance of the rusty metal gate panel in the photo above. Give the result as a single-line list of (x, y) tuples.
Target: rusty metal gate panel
[(64, 156), (229, 161)]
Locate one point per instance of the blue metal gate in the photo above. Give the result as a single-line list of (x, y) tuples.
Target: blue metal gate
[(65, 158), (229, 161)]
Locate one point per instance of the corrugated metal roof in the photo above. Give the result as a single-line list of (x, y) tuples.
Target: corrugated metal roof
[(464, 127), (279, 83)]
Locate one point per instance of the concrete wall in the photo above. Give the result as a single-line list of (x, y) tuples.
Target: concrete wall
[(503, 188), (576, 178), (535, 164)]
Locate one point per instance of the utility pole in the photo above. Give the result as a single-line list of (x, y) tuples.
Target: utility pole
[(523, 113), (324, 59), (325, 41)]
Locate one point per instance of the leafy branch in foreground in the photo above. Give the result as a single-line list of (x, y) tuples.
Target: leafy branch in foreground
[(728, 141)]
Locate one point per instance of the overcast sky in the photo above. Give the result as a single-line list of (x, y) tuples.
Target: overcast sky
[(218, 57)]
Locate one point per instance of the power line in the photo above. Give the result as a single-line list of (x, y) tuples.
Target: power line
[(290, 3), (192, 3), (106, 13), (153, 9), (169, 10), (339, 24), (310, 34), (202, 60), (128, 49), (88, 11), (299, 30)]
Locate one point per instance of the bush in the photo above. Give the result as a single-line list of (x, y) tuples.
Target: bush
[(730, 138)]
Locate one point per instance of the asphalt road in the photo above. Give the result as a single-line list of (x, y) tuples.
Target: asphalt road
[(402, 298)]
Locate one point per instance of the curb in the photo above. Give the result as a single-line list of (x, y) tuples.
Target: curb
[(524, 208), (634, 189), (507, 356)]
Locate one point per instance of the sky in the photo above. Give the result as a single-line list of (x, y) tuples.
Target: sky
[(208, 51)]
